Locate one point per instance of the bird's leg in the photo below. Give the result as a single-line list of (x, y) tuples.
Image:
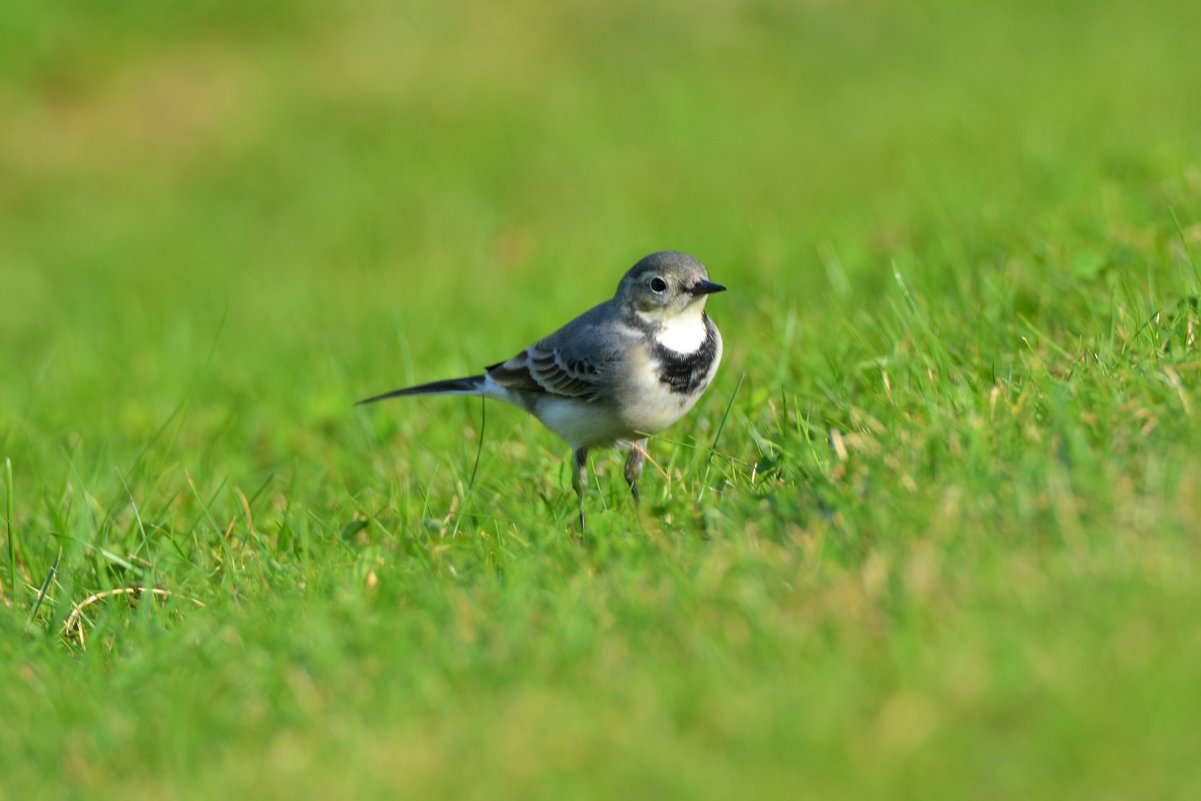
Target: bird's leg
[(579, 479), (634, 463)]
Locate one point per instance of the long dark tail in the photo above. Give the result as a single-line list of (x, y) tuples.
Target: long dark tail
[(470, 385)]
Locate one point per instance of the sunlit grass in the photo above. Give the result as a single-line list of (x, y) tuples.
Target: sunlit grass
[(932, 533)]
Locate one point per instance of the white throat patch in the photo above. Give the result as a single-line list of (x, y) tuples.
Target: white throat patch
[(683, 333)]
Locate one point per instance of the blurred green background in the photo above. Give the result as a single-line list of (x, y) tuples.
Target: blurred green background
[(323, 177), (947, 545)]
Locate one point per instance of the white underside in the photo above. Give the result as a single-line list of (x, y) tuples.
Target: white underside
[(579, 422), (583, 424)]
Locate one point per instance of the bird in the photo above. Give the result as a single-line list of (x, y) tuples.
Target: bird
[(625, 369)]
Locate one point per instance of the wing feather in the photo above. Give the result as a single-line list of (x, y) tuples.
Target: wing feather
[(574, 362)]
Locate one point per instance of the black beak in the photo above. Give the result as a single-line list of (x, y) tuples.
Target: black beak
[(706, 288)]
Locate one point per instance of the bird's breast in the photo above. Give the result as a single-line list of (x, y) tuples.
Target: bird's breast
[(664, 384), (689, 373)]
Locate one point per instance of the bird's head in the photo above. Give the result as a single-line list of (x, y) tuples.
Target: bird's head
[(664, 285)]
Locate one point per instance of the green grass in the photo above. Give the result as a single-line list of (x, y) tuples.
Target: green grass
[(947, 544)]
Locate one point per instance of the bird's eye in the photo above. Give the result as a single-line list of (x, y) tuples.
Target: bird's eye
[(658, 284)]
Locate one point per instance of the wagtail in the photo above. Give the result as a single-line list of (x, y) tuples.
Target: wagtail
[(620, 371)]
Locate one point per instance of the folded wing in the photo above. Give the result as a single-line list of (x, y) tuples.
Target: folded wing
[(577, 361)]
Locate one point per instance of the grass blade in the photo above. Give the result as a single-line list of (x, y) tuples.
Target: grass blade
[(12, 531), (475, 468), (37, 604), (720, 427)]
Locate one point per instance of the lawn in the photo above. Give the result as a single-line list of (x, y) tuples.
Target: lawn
[(933, 533)]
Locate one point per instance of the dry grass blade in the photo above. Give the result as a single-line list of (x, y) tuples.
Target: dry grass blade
[(74, 626)]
